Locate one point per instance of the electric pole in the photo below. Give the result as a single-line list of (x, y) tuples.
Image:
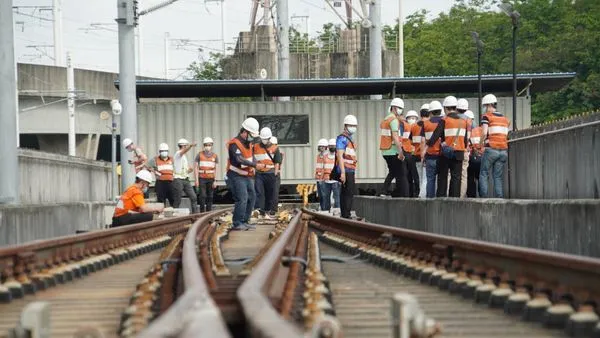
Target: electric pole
[(375, 42), (9, 166), (57, 25), (283, 64), (71, 104)]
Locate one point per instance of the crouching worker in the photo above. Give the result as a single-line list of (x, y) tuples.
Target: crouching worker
[(131, 207)]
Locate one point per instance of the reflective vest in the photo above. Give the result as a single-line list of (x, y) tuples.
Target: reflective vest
[(320, 167), (385, 139), (350, 158), (416, 138), (454, 133), (475, 138), (125, 203), (497, 137), (324, 166), (207, 165), (165, 167), (428, 128), (407, 146), (261, 154), (243, 170)]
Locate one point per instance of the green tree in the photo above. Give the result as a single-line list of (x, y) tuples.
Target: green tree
[(211, 69)]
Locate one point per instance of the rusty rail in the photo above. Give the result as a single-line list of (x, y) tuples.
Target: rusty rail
[(265, 285), (194, 314)]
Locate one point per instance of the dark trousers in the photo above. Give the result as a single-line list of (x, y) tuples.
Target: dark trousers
[(205, 194), (130, 219), (347, 195), (398, 169), (242, 191), (412, 175), (387, 183), (276, 197), (179, 187), (473, 177), (164, 192), (455, 166), (266, 183)]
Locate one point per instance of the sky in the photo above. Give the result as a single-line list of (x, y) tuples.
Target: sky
[(90, 32)]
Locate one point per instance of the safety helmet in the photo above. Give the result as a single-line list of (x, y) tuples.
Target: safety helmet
[(273, 140), (207, 140), (397, 102), (322, 143), (183, 142), (435, 105), (332, 142), (489, 99), (462, 104), (470, 114), (265, 133), (450, 101), (144, 175), (351, 120), (412, 113), (163, 147), (425, 106), (127, 142), (251, 125)]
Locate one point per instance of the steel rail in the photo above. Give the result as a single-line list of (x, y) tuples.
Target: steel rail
[(569, 272), (195, 313), (264, 286)]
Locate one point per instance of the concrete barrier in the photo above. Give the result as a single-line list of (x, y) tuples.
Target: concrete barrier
[(569, 226), (24, 223)]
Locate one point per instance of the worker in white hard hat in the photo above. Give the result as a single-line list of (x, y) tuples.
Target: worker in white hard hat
[(346, 161), (277, 177), (431, 153), (266, 178), (320, 169), (417, 129), (131, 207), (181, 183), (390, 143), (330, 188), (139, 159), (240, 173), (205, 171), (494, 127), (475, 154), (452, 131), (163, 168), (462, 106), (410, 161)]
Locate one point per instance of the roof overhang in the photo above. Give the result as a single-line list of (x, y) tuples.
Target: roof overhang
[(346, 87)]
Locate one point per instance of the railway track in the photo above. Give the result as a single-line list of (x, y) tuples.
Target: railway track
[(301, 274)]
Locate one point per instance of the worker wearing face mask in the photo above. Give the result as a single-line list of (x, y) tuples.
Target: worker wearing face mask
[(162, 165), (139, 159), (431, 153), (409, 153), (476, 151), (320, 170), (494, 133), (266, 180), (390, 143), (416, 138), (330, 188), (346, 161), (205, 169), (181, 183), (131, 207), (462, 107)]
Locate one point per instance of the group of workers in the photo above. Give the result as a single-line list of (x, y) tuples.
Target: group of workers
[(442, 142)]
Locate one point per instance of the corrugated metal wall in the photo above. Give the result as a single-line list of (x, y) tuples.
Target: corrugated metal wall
[(167, 122)]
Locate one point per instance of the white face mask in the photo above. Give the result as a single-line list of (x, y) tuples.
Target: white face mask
[(411, 120), (352, 130), (164, 154), (207, 148), (265, 142)]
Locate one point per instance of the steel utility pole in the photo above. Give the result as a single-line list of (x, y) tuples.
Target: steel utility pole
[(166, 55), (375, 42), (400, 40), (9, 166), (283, 64), (127, 18), (57, 25), (71, 104)]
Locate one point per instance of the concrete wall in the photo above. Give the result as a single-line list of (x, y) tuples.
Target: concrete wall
[(556, 164), (19, 224), (54, 178), (560, 225)]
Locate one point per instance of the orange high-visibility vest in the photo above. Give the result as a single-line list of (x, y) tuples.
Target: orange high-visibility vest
[(262, 156), (429, 127), (319, 167), (207, 165), (497, 137), (328, 163), (406, 141), (350, 159), (475, 138), (416, 138), (454, 133), (165, 167), (243, 170), (126, 201), (385, 139)]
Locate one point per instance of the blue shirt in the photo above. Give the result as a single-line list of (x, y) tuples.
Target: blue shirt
[(340, 144)]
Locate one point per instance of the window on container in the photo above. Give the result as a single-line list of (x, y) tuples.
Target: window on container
[(289, 129)]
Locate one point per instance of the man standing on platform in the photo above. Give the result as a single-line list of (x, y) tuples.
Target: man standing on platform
[(205, 168), (181, 183), (346, 161)]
